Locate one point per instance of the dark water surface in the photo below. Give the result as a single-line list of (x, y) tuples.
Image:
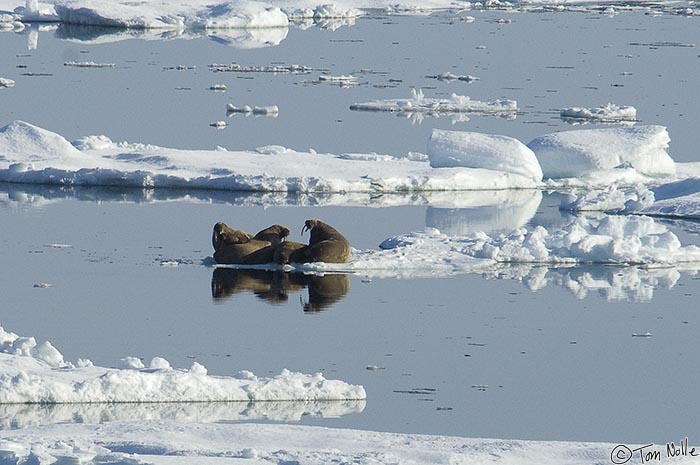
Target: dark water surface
[(519, 352)]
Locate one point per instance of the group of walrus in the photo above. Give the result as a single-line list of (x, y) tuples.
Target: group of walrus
[(234, 247)]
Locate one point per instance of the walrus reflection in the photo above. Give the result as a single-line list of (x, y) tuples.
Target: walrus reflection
[(234, 247), (276, 286), (326, 244), (325, 291)]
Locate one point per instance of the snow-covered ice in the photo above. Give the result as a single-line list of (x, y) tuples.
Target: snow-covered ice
[(5, 82), (38, 373), (574, 153), (609, 113), (165, 443), (271, 110), (88, 64), (455, 104), (33, 155), (477, 150)]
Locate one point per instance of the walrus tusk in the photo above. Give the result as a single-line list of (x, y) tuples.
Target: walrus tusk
[(305, 228)]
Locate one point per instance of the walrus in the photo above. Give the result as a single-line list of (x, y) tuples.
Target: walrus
[(235, 247), (326, 244)]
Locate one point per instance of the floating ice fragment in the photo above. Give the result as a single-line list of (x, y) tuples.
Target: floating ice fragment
[(43, 285), (218, 124), (374, 367), (169, 263), (58, 246), (247, 110), (5, 82), (218, 87), (604, 113), (88, 64), (455, 104), (131, 363), (647, 334)]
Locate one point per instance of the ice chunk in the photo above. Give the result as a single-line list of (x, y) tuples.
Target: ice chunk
[(604, 113), (575, 153), (477, 150)]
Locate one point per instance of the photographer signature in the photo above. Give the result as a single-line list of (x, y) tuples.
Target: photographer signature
[(622, 454)]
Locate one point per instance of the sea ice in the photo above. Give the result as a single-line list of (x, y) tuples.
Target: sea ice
[(477, 150), (609, 113), (37, 373), (33, 155), (574, 153), (163, 442), (455, 104), (5, 82)]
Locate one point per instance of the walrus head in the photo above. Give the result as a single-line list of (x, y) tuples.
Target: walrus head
[(309, 225), (223, 235), (274, 234)]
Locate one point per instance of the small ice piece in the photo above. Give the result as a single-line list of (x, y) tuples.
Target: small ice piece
[(5, 82), (647, 334), (271, 110), (218, 87), (374, 367), (159, 363), (344, 81), (469, 19), (218, 124), (455, 104), (58, 246), (603, 113), (169, 263), (131, 363), (88, 64), (43, 285)]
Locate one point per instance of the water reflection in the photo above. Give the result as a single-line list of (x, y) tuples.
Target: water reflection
[(275, 286), (493, 212), (16, 416)]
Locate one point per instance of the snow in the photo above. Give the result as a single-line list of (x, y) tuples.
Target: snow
[(605, 113), (37, 373), (33, 155), (573, 153), (455, 104), (477, 150), (166, 442)]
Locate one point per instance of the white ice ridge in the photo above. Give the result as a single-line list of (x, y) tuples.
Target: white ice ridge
[(455, 104), (455, 161), (576, 153), (613, 240), (33, 155), (37, 373), (604, 113), (159, 442), (271, 110)]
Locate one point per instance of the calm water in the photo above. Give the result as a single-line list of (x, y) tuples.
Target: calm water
[(520, 352)]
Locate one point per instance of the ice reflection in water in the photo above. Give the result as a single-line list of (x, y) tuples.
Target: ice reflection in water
[(18, 416)]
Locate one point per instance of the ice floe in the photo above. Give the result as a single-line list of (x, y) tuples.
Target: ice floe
[(477, 150), (455, 160), (159, 441), (38, 373), (276, 69), (33, 155), (455, 104), (271, 110), (88, 64), (575, 153), (174, 15), (5, 82), (609, 113)]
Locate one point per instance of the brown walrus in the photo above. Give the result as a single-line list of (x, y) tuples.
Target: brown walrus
[(326, 244), (235, 247)]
